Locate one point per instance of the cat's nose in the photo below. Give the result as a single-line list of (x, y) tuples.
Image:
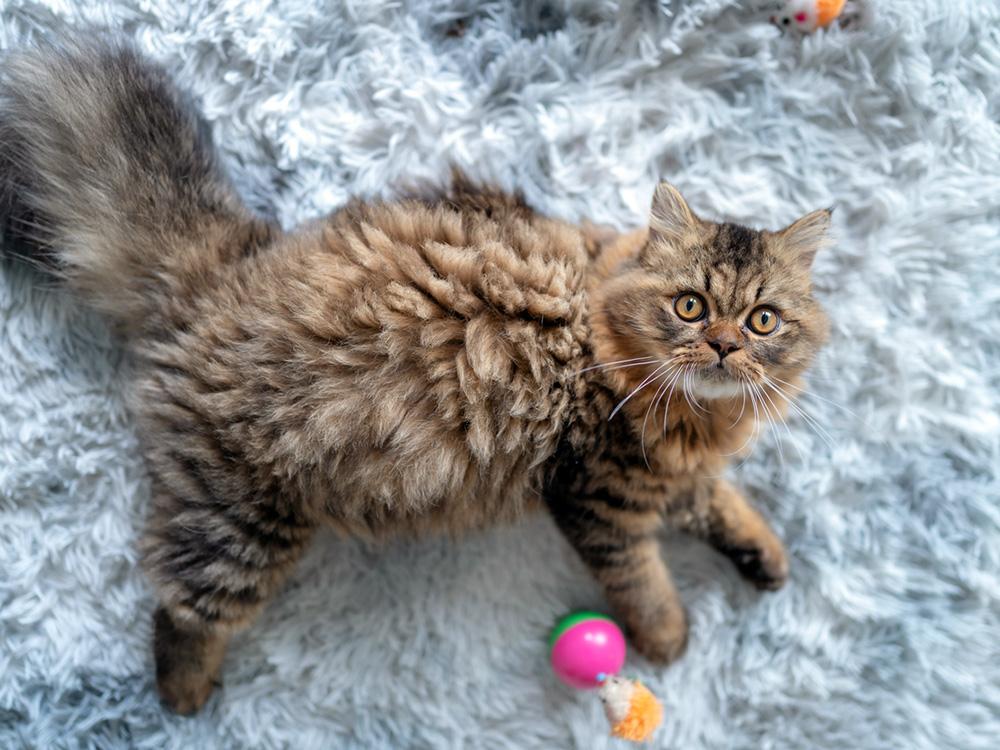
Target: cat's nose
[(724, 341), (722, 348)]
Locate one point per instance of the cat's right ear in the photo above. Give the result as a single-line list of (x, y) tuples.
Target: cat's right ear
[(671, 219), (803, 239)]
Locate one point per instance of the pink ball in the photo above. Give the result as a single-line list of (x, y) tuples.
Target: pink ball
[(586, 648)]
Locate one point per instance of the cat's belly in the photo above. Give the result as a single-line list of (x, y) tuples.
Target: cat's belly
[(417, 468), (392, 507)]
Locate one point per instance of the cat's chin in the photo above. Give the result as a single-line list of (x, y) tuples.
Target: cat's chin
[(715, 388)]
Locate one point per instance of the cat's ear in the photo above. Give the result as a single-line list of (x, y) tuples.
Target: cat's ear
[(671, 218), (801, 241)]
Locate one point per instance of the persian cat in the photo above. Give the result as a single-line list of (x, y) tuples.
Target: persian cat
[(440, 362)]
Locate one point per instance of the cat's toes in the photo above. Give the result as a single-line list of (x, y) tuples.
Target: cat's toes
[(184, 694), (766, 566), (663, 642)]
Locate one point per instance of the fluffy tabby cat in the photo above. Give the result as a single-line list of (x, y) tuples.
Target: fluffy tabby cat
[(421, 364)]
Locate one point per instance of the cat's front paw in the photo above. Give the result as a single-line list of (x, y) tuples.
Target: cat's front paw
[(665, 640), (764, 565)]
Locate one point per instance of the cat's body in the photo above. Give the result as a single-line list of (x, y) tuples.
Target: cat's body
[(441, 363), (399, 366)]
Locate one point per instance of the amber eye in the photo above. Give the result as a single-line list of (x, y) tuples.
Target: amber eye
[(690, 307), (764, 320)]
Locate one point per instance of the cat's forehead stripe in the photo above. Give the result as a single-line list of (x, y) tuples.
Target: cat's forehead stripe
[(736, 244), (732, 288)]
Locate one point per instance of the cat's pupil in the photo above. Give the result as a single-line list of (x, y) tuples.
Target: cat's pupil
[(690, 305), (764, 318)]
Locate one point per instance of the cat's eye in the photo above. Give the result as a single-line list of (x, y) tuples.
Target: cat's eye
[(764, 321), (690, 307)]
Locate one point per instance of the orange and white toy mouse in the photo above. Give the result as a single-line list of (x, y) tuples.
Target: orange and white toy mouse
[(633, 711), (807, 15)]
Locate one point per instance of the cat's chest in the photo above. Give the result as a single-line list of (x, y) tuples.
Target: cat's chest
[(625, 461), (693, 446)]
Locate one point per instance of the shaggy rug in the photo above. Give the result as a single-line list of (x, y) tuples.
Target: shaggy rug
[(888, 634)]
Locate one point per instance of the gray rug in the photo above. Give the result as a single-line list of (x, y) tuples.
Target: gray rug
[(888, 635)]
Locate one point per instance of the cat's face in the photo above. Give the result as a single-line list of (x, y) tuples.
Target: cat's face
[(722, 307)]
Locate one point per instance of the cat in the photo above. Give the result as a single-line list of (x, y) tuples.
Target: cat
[(440, 362)]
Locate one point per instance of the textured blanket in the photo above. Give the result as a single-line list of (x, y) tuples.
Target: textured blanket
[(888, 494)]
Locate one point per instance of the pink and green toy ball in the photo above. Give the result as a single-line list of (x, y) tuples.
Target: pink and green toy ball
[(585, 649)]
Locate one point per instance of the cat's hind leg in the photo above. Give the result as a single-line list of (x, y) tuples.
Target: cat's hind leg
[(215, 555)]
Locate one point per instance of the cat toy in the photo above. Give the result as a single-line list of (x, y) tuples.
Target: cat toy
[(807, 15), (586, 650)]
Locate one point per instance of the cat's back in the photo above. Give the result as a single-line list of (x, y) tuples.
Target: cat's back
[(415, 359)]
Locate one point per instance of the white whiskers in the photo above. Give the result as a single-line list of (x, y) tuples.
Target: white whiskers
[(667, 376), (816, 427), (640, 387), (802, 391), (620, 364)]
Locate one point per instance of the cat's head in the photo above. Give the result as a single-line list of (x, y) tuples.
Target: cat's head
[(721, 304)]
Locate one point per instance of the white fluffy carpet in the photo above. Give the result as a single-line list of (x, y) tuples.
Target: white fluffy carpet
[(888, 635)]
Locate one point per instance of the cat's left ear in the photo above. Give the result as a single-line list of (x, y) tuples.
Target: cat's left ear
[(802, 240), (671, 219)]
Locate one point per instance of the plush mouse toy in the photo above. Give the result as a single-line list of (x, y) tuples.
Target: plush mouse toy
[(807, 15), (633, 711)]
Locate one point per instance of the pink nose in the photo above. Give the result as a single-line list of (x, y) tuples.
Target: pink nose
[(801, 17)]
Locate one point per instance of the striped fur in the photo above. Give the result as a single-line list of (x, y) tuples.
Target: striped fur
[(421, 364)]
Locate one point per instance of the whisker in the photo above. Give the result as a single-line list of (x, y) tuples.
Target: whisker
[(668, 377), (770, 421), (694, 397), (798, 409), (652, 406), (743, 404), (687, 396), (803, 391), (666, 404), (635, 362), (639, 387), (756, 424), (773, 420), (783, 422), (811, 421)]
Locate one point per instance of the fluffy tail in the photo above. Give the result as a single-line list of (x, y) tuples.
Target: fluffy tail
[(108, 175)]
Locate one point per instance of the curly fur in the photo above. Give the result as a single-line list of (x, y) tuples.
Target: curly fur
[(428, 363), (883, 636)]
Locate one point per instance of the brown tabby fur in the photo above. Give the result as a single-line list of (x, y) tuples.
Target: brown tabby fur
[(397, 367)]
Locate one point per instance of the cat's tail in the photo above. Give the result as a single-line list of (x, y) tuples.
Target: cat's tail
[(108, 177)]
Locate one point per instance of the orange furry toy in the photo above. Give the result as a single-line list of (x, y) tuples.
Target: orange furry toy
[(633, 711)]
